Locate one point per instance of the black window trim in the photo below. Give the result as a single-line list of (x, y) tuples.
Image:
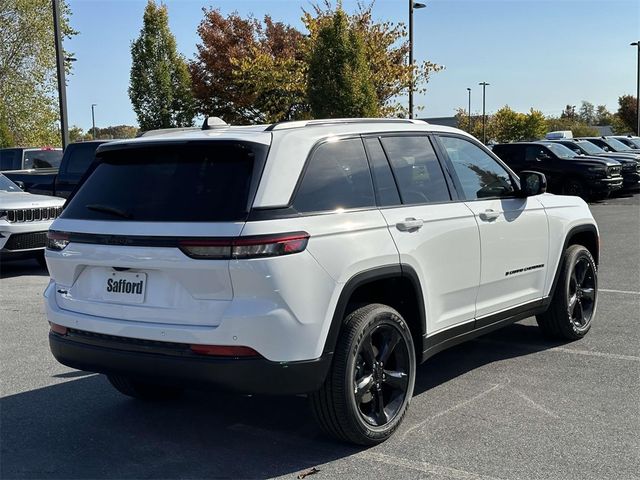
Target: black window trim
[(443, 167), (458, 184)]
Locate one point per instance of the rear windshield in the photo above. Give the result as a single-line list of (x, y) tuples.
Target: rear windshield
[(42, 158), (194, 182)]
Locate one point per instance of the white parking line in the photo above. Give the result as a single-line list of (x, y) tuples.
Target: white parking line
[(618, 291), (425, 467)]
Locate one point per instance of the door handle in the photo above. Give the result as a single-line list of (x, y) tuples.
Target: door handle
[(489, 215), (409, 224)]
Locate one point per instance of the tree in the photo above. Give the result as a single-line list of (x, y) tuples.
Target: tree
[(339, 80), (587, 113), (386, 51), (28, 86), (160, 85), (569, 112), (628, 112)]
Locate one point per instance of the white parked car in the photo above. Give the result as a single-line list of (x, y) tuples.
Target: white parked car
[(320, 257), (24, 221)]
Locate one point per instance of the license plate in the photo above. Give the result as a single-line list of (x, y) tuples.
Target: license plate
[(125, 287)]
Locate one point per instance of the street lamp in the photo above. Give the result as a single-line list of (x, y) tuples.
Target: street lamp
[(637, 44), (93, 119), (62, 84), (469, 111), (484, 116), (412, 5)]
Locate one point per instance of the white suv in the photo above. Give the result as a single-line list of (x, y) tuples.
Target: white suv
[(321, 257)]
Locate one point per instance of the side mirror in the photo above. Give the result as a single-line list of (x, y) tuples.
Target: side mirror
[(543, 156), (532, 183), (19, 183), (606, 149)]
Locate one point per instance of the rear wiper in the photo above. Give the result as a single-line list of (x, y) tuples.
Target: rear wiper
[(107, 209)]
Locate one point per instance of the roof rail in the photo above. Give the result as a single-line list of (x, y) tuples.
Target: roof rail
[(162, 131), (336, 121)]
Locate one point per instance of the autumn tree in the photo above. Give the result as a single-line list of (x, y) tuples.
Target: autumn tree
[(339, 81), (28, 86), (160, 84), (386, 49), (628, 112)]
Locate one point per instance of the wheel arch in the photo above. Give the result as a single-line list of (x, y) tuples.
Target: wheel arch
[(395, 285), (585, 235)]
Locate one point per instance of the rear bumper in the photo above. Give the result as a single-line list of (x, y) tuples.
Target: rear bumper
[(175, 365)]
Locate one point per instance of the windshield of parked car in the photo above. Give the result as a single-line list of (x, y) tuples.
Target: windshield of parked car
[(42, 158), (617, 145), (589, 148), (7, 185), (560, 150), (635, 141)]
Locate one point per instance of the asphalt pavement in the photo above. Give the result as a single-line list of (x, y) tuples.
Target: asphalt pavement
[(509, 405)]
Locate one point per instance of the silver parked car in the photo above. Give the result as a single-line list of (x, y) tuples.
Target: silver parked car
[(24, 221)]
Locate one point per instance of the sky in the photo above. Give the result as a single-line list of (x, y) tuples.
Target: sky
[(534, 53)]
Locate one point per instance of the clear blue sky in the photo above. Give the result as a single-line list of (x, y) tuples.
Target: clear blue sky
[(534, 53)]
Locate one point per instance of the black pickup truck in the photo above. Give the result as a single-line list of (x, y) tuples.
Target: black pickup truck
[(59, 182), (567, 172)]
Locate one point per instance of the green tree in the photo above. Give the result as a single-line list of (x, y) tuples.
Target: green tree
[(587, 113), (339, 79), (628, 112), (28, 86), (386, 50), (160, 85)]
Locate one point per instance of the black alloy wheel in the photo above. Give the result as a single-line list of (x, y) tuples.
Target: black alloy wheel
[(574, 300), (582, 293), (370, 384), (381, 375), (574, 187)]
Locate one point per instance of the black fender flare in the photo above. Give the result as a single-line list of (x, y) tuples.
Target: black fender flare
[(368, 276)]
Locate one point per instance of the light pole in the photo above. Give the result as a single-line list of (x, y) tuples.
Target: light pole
[(484, 116), (637, 44), (469, 111), (93, 119), (62, 84), (412, 5)]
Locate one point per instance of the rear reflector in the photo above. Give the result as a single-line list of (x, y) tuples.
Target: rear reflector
[(224, 351), (59, 329), (245, 247)]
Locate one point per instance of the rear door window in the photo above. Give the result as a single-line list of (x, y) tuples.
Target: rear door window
[(195, 182), (416, 169), (42, 158), (337, 177), (80, 157)]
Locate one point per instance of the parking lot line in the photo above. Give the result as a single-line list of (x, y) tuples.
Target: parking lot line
[(618, 291), (425, 467)]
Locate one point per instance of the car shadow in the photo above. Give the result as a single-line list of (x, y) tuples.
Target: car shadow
[(17, 268), (82, 428)]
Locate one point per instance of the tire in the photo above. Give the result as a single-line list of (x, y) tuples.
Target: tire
[(363, 401), (575, 297), (143, 390), (574, 186)]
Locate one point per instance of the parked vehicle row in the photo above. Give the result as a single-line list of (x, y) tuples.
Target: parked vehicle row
[(577, 166), (322, 257), (61, 180)]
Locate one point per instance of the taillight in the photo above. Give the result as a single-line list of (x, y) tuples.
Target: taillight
[(258, 246), (57, 240), (224, 351)]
